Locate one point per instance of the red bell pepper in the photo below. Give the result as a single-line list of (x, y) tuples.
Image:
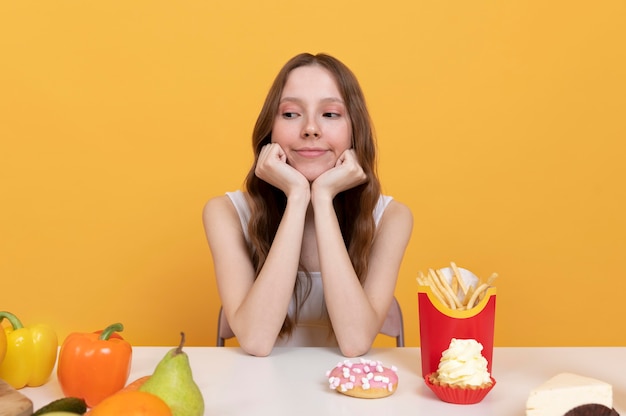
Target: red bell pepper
[(93, 366)]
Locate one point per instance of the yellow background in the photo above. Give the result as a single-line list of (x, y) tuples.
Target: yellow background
[(501, 124)]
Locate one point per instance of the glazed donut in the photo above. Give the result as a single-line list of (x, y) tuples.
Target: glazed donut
[(367, 379)]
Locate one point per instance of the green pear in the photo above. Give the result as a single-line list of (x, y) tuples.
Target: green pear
[(173, 382)]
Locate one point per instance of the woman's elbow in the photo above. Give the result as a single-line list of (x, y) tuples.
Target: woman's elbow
[(257, 348), (354, 349)]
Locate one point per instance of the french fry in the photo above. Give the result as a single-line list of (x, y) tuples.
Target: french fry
[(420, 279), (468, 296), (480, 289), (493, 277), (425, 281), (448, 292), (449, 301), (454, 285), (446, 286), (459, 278), (439, 295), (435, 289)]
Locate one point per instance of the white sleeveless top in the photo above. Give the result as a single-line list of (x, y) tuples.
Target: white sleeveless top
[(312, 330)]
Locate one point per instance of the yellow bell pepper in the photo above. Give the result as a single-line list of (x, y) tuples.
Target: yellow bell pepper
[(30, 354), (3, 344)]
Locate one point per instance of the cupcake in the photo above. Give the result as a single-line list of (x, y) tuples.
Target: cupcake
[(462, 376)]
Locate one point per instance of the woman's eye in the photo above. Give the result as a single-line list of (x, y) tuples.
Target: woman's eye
[(331, 115), (289, 114)]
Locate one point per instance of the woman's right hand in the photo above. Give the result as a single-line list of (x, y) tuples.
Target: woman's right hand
[(272, 167)]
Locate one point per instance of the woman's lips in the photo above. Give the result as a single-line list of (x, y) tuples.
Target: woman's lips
[(311, 153)]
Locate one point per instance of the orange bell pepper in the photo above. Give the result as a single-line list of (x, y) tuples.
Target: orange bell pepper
[(93, 366)]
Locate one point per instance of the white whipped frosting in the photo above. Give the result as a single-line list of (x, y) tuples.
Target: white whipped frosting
[(463, 364)]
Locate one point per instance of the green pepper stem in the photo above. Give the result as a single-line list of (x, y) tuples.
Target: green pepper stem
[(15, 322), (109, 330)]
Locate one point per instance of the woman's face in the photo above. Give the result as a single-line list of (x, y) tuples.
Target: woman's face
[(312, 125)]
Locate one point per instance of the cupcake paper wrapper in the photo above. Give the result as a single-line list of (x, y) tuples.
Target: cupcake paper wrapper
[(459, 395)]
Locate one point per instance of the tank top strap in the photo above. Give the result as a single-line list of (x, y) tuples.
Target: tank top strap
[(382, 203), (243, 210)]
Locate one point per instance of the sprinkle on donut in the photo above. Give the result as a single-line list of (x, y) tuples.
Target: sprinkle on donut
[(365, 378)]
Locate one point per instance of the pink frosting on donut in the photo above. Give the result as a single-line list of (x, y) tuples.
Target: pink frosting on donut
[(367, 374)]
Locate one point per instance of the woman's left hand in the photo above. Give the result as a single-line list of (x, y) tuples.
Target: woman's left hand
[(346, 174)]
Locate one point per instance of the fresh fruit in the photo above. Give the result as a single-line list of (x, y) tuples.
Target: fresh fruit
[(134, 385), (131, 403), (173, 382), (71, 405)]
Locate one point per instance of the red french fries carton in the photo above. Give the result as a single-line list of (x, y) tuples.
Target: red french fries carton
[(439, 324)]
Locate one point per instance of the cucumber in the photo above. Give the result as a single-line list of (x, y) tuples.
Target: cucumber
[(66, 404), (56, 413)]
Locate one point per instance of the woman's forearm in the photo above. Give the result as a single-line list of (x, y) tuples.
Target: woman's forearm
[(355, 322), (262, 313)]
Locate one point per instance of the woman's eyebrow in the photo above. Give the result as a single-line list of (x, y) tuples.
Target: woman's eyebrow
[(323, 100)]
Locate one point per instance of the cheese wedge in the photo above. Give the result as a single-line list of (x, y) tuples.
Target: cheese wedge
[(565, 391)]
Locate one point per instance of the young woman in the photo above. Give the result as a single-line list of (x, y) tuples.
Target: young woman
[(309, 254)]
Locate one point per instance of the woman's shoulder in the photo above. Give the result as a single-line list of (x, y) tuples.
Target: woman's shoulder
[(396, 222), (398, 205), (223, 221), (217, 203), (389, 206), (398, 210), (231, 208), (228, 204), (228, 199)]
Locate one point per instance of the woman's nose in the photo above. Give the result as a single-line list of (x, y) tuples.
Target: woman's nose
[(311, 130)]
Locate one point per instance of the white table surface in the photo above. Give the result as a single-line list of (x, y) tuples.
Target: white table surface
[(292, 381)]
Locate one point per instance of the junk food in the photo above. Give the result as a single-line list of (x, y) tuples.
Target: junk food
[(455, 289), (462, 376), (365, 379)]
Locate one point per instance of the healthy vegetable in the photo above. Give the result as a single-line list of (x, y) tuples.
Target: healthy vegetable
[(30, 353), (95, 365), (3, 343), (71, 405)]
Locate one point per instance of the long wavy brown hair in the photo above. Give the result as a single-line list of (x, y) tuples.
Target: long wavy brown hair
[(354, 207)]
